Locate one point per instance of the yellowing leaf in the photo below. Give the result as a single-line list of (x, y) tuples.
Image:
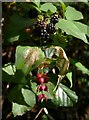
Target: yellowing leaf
[(62, 60), (28, 58)]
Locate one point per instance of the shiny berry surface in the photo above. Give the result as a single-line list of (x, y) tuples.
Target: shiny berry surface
[(41, 80), (42, 88), (54, 19), (50, 28), (39, 75)]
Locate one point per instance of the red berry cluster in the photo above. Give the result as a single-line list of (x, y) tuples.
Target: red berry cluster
[(41, 79)]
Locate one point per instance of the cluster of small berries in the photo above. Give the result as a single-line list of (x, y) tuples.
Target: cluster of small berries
[(43, 29), (41, 79)]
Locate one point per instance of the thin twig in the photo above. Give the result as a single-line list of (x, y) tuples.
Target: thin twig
[(48, 115), (39, 113)]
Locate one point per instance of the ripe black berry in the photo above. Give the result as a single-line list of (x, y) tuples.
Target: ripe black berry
[(44, 34), (39, 25), (50, 28), (54, 19)]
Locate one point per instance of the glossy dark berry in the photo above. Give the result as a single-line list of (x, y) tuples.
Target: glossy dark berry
[(54, 19), (39, 25), (47, 36), (50, 28), (44, 34)]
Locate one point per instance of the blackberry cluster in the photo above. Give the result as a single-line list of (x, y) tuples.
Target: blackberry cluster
[(43, 30)]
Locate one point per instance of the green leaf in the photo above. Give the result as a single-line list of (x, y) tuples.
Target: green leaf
[(37, 3), (69, 76), (20, 77), (63, 6), (83, 28), (71, 29), (14, 27), (72, 14), (18, 109), (8, 78), (82, 68), (48, 6), (28, 58), (34, 86), (15, 95), (44, 117), (9, 69), (51, 87), (65, 96), (29, 97)]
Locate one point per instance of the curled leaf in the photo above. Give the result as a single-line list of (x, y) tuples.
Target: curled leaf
[(62, 60)]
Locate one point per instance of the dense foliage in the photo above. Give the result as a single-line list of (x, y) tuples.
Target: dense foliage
[(42, 45)]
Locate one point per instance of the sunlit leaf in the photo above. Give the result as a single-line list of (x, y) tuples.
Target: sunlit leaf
[(65, 96), (34, 86), (19, 109), (82, 68), (71, 29), (69, 76), (48, 6), (72, 14), (28, 58), (9, 69), (82, 27), (29, 97)]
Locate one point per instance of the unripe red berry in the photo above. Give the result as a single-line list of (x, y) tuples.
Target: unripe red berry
[(41, 97), (41, 80), (39, 75), (45, 78), (42, 88)]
